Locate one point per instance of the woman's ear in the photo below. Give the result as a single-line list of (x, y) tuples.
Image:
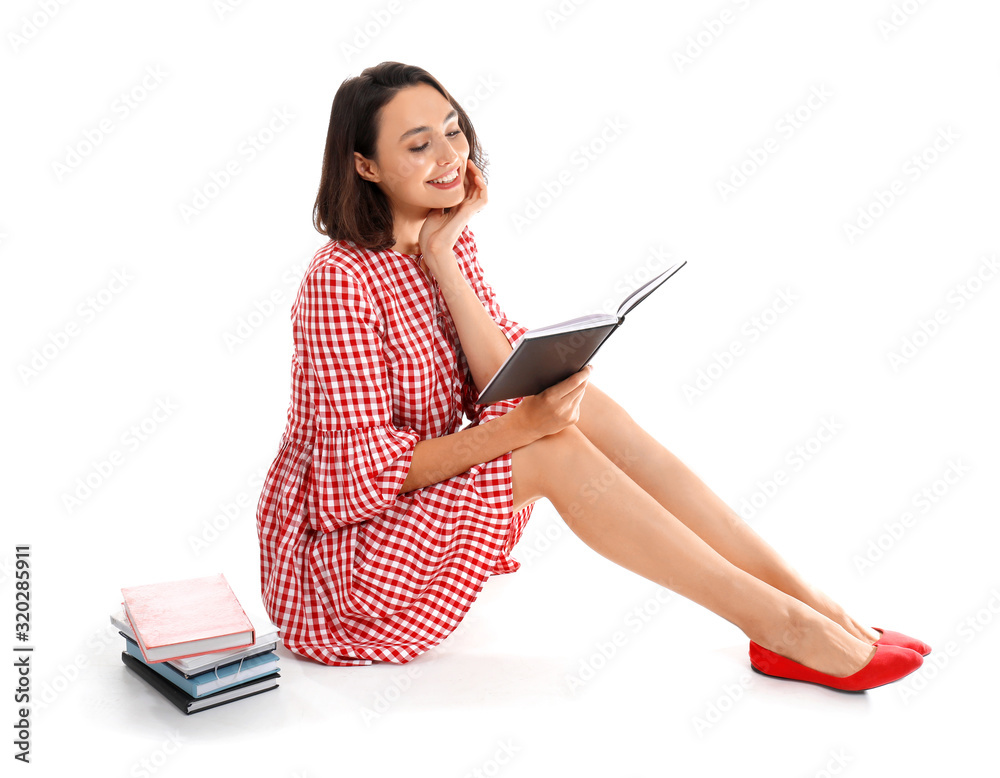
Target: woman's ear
[(367, 169)]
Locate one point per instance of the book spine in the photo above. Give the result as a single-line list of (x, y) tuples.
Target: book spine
[(605, 339), (168, 673)]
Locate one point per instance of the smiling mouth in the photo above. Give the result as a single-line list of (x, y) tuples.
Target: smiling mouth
[(446, 179)]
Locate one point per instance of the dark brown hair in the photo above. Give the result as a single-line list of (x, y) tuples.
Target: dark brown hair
[(347, 206)]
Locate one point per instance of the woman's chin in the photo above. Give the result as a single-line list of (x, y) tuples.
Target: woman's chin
[(446, 198)]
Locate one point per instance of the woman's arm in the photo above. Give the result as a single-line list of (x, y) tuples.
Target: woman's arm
[(485, 345), (438, 459)]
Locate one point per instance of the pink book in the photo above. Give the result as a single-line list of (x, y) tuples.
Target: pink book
[(178, 619)]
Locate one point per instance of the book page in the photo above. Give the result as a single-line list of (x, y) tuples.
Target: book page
[(589, 321), (646, 289)]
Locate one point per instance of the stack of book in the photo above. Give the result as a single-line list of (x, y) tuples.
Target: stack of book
[(193, 642)]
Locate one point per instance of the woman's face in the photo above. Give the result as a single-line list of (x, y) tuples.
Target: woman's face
[(419, 141)]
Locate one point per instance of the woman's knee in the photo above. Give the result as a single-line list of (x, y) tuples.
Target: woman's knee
[(533, 465)]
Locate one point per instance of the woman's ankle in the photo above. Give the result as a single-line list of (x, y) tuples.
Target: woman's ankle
[(816, 641), (820, 602)]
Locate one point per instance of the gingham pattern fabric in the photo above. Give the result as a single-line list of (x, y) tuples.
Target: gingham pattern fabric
[(352, 571)]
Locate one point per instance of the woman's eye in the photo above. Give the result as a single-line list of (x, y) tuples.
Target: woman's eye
[(418, 149)]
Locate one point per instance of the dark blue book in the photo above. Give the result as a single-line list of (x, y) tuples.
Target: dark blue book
[(188, 704), (210, 681)]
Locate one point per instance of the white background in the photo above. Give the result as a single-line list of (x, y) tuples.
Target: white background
[(870, 517)]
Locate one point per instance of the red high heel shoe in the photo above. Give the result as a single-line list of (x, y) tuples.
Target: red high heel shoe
[(890, 638), (888, 664)]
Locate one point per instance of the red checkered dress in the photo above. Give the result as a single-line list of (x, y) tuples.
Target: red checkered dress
[(352, 571)]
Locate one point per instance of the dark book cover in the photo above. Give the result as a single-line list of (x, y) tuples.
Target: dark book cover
[(548, 355), (188, 704), (544, 361)]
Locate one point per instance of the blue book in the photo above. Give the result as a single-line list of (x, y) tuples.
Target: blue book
[(187, 704), (214, 680)]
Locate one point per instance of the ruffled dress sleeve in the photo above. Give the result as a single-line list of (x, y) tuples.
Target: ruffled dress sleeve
[(514, 332), (359, 458)]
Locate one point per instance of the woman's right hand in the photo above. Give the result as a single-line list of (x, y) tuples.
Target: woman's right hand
[(556, 408)]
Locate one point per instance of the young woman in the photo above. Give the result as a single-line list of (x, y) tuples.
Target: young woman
[(381, 518)]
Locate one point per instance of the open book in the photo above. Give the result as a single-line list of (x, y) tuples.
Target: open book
[(548, 355)]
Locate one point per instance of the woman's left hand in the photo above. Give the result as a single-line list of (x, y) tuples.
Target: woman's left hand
[(440, 230)]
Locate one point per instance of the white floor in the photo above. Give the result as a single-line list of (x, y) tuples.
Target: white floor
[(826, 361), (570, 666)]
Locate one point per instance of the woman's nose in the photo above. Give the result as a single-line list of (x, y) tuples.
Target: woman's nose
[(447, 156), (447, 163)]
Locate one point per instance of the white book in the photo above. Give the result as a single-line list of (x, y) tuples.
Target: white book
[(266, 639)]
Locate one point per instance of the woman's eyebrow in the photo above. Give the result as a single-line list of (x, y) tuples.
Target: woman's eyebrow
[(451, 115)]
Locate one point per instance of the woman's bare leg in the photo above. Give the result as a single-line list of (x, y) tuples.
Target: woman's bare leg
[(626, 525), (669, 481)]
